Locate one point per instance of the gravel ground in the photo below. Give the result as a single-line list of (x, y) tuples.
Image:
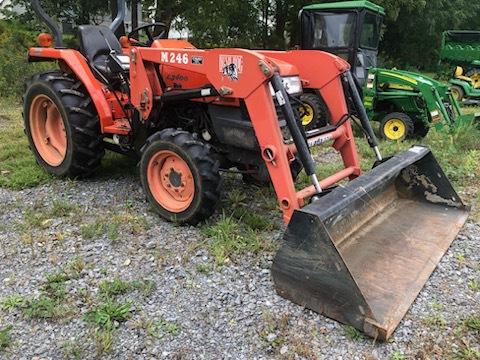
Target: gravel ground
[(230, 312)]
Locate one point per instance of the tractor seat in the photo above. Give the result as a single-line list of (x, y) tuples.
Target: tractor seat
[(458, 73), (96, 42)]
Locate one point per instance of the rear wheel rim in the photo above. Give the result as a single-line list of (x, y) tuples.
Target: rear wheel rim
[(306, 114), (394, 129), (170, 181), (47, 128), (456, 94)]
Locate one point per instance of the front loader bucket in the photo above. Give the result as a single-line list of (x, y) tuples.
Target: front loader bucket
[(362, 253)]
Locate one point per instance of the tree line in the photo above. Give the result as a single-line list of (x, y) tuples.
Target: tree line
[(411, 35)]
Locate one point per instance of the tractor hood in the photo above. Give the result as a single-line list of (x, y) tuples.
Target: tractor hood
[(409, 78)]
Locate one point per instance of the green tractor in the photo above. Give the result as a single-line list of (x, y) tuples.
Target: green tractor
[(461, 49), (406, 104)]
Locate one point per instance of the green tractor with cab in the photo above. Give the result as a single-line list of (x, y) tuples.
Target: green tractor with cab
[(461, 50), (405, 104)]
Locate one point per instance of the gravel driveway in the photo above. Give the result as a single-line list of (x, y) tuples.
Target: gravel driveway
[(182, 307)]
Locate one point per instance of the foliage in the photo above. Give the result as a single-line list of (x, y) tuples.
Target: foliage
[(14, 68), (227, 238), (5, 338), (105, 314), (70, 11)]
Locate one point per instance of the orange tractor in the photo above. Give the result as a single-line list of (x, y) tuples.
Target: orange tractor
[(358, 252)]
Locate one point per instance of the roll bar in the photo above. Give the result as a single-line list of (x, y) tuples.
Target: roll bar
[(49, 21), (120, 16), (55, 28)]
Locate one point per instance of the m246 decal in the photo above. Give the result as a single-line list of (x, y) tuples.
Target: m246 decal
[(174, 58)]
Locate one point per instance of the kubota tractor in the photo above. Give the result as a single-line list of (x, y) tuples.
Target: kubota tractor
[(359, 252)]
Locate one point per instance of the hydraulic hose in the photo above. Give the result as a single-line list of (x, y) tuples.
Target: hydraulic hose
[(300, 143), (362, 114)]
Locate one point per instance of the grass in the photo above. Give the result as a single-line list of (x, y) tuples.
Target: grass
[(72, 349), (45, 307), (12, 302), (105, 314), (6, 339), (397, 355), (18, 169), (228, 237), (435, 320), (473, 285), (159, 328), (353, 333), (472, 323), (42, 217), (467, 353), (103, 318), (52, 303), (110, 289), (113, 224)]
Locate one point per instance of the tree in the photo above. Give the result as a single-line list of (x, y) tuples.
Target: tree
[(73, 11)]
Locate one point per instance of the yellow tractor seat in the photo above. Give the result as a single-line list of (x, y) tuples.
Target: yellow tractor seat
[(458, 73)]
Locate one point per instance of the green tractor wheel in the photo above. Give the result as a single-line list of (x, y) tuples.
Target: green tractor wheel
[(396, 126), (313, 113), (457, 92)]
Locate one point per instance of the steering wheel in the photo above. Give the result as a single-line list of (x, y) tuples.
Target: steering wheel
[(150, 34)]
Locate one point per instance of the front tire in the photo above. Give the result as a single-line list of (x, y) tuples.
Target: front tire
[(396, 126), (180, 178), (62, 126), (457, 92), (314, 113)]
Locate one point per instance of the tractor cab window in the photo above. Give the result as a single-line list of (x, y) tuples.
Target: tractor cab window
[(333, 30), (371, 31)]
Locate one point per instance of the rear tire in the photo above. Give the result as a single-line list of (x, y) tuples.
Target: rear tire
[(421, 130), (180, 178), (457, 92), (62, 126), (396, 126)]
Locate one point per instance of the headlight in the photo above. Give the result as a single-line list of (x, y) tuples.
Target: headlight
[(370, 81), (435, 115), (292, 84)]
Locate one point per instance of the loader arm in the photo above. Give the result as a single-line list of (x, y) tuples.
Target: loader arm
[(252, 86)]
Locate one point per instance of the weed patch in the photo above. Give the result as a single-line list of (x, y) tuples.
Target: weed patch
[(42, 217), (353, 333), (103, 318), (109, 289), (473, 323), (228, 237), (159, 328), (397, 355), (112, 226), (5, 338), (273, 329)]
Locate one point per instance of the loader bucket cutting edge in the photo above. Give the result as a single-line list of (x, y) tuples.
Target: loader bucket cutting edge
[(362, 253)]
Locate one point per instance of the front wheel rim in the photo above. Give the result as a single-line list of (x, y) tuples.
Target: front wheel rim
[(170, 181), (456, 94), (306, 114), (394, 129), (48, 132)]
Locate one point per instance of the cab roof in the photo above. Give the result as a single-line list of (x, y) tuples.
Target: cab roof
[(347, 5)]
